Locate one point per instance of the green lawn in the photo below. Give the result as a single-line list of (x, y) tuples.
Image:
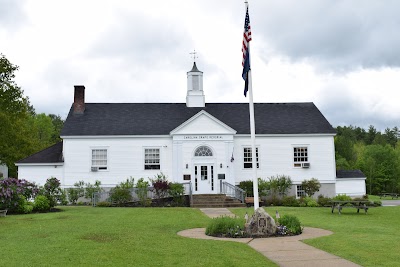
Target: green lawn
[(374, 198), (369, 240), (86, 236)]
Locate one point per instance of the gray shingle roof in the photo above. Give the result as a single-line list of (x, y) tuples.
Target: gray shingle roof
[(349, 174), (51, 154), (162, 118)]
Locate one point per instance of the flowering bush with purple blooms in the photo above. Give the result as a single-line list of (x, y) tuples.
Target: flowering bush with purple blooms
[(11, 192)]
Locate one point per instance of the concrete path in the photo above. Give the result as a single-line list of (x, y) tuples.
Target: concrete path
[(395, 202), (285, 251)]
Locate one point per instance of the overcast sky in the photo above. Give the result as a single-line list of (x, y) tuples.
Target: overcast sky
[(342, 55)]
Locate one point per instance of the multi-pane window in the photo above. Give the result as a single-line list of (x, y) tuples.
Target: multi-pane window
[(300, 191), (300, 154), (203, 151), (99, 159), (152, 159), (247, 158)]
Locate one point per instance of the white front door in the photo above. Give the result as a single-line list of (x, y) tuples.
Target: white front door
[(204, 179)]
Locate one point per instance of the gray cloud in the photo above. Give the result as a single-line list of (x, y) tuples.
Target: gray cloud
[(140, 43), (12, 14), (339, 35)]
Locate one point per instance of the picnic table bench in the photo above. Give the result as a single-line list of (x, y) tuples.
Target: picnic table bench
[(250, 201), (3, 213), (358, 204), (393, 195)]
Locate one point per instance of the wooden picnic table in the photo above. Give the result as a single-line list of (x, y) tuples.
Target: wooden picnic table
[(393, 195), (358, 204)]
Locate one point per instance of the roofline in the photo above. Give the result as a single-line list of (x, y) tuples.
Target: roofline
[(169, 136), (41, 151), (198, 114), (112, 136), (40, 164), (351, 178), (285, 135)]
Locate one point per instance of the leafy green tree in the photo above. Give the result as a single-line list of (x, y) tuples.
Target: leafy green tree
[(14, 112), (311, 186), (58, 124), (381, 166)]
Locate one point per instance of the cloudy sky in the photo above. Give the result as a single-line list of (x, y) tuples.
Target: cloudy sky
[(343, 55)]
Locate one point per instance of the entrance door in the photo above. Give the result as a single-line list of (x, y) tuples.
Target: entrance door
[(204, 179)]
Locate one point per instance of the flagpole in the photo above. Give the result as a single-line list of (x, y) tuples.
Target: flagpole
[(246, 75), (253, 141)]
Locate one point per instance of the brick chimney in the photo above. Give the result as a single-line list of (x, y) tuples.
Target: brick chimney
[(79, 99)]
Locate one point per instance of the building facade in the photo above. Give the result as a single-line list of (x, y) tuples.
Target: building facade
[(193, 141)]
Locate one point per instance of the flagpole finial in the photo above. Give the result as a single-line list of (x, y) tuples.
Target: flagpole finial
[(194, 55)]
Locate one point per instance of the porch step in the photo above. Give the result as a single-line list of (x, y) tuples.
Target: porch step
[(215, 201)]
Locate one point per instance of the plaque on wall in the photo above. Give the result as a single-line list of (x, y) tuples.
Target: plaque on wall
[(221, 176), (186, 177)]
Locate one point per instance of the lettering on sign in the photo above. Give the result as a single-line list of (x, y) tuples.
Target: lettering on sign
[(202, 137)]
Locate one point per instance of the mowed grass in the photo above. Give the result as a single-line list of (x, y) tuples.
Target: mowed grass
[(368, 240), (86, 236)]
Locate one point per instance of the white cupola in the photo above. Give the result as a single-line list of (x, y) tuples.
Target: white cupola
[(195, 93)]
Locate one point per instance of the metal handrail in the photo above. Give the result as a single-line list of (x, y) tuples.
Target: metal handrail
[(232, 191)]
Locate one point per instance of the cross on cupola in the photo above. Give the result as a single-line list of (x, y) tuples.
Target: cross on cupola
[(194, 55)]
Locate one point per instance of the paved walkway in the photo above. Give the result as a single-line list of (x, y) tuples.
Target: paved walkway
[(285, 251)]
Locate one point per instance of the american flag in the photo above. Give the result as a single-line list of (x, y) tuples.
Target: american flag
[(246, 50)]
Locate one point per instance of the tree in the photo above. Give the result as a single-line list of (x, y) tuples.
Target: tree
[(15, 110), (58, 124), (381, 166), (311, 186)]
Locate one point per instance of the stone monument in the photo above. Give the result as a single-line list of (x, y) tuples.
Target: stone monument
[(261, 224)]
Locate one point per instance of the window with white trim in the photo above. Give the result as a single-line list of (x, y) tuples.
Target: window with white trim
[(247, 158), (300, 191), (151, 158), (300, 155), (203, 151), (99, 159)]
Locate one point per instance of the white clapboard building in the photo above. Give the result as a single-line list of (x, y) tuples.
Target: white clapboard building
[(192, 141)]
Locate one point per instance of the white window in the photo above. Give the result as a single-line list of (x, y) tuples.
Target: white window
[(203, 151), (247, 159), (300, 191), (300, 155), (99, 159), (152, 159)]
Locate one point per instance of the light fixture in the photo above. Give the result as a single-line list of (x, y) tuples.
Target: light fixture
[(220, 165), (187, 166)]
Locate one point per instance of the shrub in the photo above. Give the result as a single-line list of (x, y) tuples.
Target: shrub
[(160, 186), (273, 200), (76, 192), (11, 191), (263, 187), (247, 186), (52, 191), (128, 184), (310, 202), (92, 189), (342, 197), (311, 186), (290, 201), (142, 189), (280, 184), (324, 201), (103, 204), (292, 223), (41, 204), (177, 191), (120, 195), (377, 203), (226, 227), (23, 205)]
